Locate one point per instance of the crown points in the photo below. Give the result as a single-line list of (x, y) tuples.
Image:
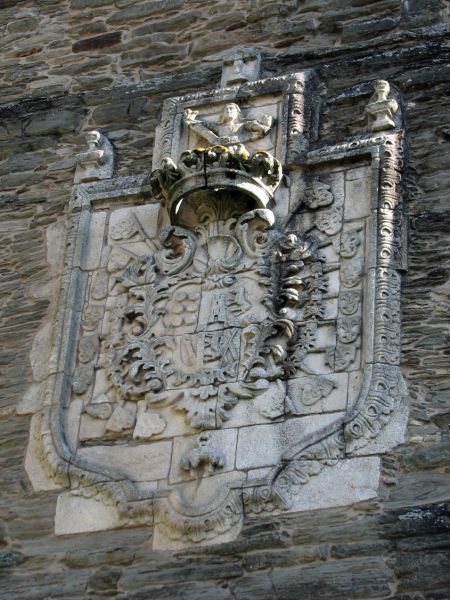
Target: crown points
[(257, 174)]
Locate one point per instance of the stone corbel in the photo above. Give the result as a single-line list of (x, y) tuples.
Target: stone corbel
[(97, 162)]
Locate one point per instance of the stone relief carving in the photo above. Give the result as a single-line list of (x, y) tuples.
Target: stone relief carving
[(240, 65), (231, 128), (220, 353)]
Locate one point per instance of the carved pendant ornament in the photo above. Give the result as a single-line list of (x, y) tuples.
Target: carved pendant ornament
[(226, 341)]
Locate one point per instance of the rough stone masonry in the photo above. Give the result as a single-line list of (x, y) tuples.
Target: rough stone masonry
[(92, 65)]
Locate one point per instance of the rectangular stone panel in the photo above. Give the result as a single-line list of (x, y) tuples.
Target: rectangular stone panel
[(263, 445), (357, 193), (142, 462), (348, 481)]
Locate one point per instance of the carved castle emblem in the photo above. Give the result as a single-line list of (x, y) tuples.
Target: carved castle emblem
[(227, 335)]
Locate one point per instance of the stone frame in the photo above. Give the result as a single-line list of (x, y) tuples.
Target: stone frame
[(358, 433), (300, 113)]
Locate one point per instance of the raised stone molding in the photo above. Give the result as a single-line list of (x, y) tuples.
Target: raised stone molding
[(227, 330)]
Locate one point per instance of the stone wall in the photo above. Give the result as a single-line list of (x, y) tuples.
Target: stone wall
[(68, 67)]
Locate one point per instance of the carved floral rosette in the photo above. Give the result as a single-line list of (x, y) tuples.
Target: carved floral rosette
[(227, 338)]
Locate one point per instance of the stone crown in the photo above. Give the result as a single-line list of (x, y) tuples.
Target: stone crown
[(218, 167)]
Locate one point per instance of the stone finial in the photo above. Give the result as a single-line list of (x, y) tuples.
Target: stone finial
[(240, 65), (380, 109), (97, 162)]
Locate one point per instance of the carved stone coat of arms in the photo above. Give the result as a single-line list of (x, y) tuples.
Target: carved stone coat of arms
[(226, 342)]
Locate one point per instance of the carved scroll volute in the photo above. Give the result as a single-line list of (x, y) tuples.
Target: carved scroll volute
[(179, 249), (251, 230)]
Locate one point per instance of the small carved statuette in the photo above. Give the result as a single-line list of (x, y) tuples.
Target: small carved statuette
[(380, 109), (97, 162), (231, 128)]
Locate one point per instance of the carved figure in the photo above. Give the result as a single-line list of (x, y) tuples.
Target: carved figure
[(231, 128), (97, 162), (380, 109)]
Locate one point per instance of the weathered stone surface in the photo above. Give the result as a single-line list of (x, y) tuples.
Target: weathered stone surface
[(53, 122), (99, 42), (11, 559), (413, 56), (369, 578), (140, 463), (76, 513)]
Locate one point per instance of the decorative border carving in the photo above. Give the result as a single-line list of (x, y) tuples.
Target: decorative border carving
[(299, 96), (382, 389)]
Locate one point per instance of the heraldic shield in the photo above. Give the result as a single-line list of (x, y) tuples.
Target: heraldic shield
[(226, 340)]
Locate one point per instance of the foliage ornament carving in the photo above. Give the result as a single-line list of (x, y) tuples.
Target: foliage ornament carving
[(226, 340)]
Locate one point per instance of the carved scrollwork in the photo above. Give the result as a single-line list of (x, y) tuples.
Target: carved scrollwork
[(240, 315), (375, 405), (179, 248), (178, 520)]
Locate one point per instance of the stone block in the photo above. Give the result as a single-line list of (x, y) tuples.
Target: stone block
[(52, 122), (72, 424), (97, 42), (76, 514), (144, 10), (340, 580), (140, 463), (263, 408), (367, 27), (40, 351), (88, 4), (38, 475), (29, 403), (358, 189), (24, 24), (55, 238), (119, 111), (348, 481), (392, 434), (333, 283), (134, 223), (355, 379), (426, 570), (263, 445), (91, 259), (325, 336), (316, 362), (91, 428)]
